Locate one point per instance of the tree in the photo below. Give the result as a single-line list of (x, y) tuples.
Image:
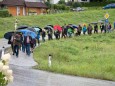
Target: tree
[(61, 2)]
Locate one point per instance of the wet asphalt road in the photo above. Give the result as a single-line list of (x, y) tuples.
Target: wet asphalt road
[(24, 76)]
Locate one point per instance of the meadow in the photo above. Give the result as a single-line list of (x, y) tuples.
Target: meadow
[(86, 56)]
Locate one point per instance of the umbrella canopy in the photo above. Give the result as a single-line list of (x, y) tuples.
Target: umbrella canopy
[(22, 27), (26, 32), (94, 23), (58, 27), (9, 34), (48, 27), (37, 29), (101, 21), (73, 26), (31, 29)]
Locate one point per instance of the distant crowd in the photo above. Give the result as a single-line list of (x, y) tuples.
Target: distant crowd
[(27, 44)]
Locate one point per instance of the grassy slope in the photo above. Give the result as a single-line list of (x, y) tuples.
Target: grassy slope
[(87, 56), (7, 24)]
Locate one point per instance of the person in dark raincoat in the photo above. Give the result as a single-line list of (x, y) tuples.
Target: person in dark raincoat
[(43, 35), (57, 34), (50, 32), (79, 29), (102, 27), (17, 44), (89, 29), (95, 28)]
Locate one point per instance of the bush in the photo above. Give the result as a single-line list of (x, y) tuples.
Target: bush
[(77, 4), (59, 7), (92, 4), (5, 72), (4, 13)]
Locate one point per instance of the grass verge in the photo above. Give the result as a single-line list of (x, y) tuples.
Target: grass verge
[(86, 56)]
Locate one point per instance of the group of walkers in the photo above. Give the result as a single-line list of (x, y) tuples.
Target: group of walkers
[(26, 43), (69, 30)]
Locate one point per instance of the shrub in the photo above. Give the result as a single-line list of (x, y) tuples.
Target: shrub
[(77, 4), (5, 72), (4, 13)]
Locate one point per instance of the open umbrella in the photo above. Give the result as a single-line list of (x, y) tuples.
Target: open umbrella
[(31, 29), (9, 34), (26, 32), (22, 27), (94, 23), (37, 29), (58, 27), (48, 27), (73, 26)]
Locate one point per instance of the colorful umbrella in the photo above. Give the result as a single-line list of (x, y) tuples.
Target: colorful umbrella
[(26, 32), (58, 27)]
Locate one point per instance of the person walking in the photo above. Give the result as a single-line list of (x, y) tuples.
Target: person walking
[(95, 28), (79, 29), (50, 31), (17, 44), (43, 35), (69, 32), (84, 29), (89, 29), (109, 28), (27, 42), (102, 27)]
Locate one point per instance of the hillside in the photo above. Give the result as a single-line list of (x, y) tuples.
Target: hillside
[(7, 24)]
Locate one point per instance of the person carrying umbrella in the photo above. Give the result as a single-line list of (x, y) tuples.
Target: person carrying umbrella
[(84, 29), (17, 44), (102, 27), (27, 42), (38, 37), (69, 31), (79, 29), (95, 28), (89, 29)]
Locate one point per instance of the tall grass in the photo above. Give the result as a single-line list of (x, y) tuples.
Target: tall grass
[(87, 56)]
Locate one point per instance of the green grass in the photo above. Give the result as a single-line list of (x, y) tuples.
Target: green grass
[(7, 24), (86, 56)]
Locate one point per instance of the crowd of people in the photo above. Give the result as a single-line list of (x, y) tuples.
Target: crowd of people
[(26, 43)]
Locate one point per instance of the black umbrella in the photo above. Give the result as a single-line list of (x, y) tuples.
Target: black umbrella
[(48, 27), (9, 34), (22, 27)]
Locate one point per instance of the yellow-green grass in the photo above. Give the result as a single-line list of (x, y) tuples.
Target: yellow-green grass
[(86, 56), (88, 16)]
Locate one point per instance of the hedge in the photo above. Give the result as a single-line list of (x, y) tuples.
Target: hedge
[(4, 13)]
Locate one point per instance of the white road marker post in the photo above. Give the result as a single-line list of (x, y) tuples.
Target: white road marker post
[(3, 48), (49, 60)]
